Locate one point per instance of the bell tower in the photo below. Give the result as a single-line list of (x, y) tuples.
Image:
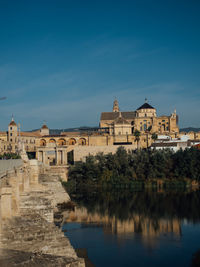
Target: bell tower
[(12, 131), (44, 130), (115, 106)]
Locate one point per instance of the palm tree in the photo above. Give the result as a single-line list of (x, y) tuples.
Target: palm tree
[(137, 137), (154, 136)]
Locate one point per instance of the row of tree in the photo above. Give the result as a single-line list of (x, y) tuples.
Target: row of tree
[(10, 156), (134, 166)]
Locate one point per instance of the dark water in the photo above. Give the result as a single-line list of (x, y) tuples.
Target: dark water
[(137, 228)]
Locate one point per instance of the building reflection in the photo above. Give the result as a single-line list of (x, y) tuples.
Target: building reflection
[(146, 228)]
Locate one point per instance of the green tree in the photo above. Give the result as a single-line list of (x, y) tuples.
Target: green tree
[(137, 135), (154, 136)]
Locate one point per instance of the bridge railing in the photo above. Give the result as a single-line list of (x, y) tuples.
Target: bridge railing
[(9, 165)]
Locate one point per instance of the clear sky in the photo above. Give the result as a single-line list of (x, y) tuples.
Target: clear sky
[(66, 61)]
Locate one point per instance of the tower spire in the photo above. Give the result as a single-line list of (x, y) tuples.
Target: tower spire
[(115, 106)]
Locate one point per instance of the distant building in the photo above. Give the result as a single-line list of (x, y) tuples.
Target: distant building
[(166, 142), (117, 128), (143, 119)]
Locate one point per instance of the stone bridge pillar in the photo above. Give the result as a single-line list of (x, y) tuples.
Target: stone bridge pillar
[(20, 181), (6, 202), (34, 173), (64, 157), (26, 181), (14, 183)]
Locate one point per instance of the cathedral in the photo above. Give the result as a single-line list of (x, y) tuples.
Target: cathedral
[(116, 128), (143, 119)]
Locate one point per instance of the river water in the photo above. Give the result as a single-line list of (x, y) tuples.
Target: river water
[(137, 228)]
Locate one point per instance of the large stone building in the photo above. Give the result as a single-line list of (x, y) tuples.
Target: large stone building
[(144, 119), (116, 128), (12, 140)]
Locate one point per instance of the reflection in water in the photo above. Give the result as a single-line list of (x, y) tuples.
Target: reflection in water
[(127, 214), (156, 219)]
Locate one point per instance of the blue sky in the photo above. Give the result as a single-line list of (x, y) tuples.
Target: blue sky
[(66, 61)]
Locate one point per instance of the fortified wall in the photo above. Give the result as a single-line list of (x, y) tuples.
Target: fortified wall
[(28, 200), (80, 153)]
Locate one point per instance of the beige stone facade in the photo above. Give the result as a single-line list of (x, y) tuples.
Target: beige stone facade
[(144, 119), (117, 128)]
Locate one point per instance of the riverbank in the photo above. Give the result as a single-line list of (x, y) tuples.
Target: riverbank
[(137, 170), (30, 237)]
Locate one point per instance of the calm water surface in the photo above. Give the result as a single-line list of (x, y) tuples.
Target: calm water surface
[(137, 228)]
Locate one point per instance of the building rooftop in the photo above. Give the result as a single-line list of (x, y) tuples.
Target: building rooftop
[(127, 115), (44, 126), (121, 120), (12, 123), (145, 106)]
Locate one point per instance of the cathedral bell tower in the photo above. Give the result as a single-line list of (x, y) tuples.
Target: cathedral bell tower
[(115, 106), (12, 134), (44, 130)]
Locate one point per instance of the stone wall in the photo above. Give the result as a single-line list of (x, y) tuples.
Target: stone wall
[(80, 153)]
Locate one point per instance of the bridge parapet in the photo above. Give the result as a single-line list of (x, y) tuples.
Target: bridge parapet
[(9, 165)]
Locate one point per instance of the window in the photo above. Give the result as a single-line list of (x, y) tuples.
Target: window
[(163, 120), (10, 134), (10, 128), (140, 128), (11, 140)]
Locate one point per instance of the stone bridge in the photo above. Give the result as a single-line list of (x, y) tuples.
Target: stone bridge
[(29, 195)]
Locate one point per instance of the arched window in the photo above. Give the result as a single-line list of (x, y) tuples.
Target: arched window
[(72, 141), (42, 142), (52, 141), (61, 142), (82, 141)]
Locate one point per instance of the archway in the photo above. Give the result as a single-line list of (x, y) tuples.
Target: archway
[(52, 141), (61, 142), (72, 141), (82, 141), (42, 142)]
